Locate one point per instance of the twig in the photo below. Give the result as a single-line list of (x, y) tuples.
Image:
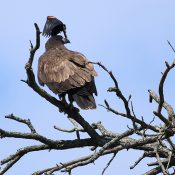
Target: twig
[(138, 161), (105, 132), (154, 163), (144, 131), (74, 129), (116, 88), (154, 171), (158, 169), (27, 122), (171, 144), (169, 160), (60, 166), (171, 46), (108, 164), (159, 161), (161, 85), (24, 151), (131, 117), (34, 49), (64, 130), (75, 126), (161, 117), (9, 165), (167, 106), (133, 121)]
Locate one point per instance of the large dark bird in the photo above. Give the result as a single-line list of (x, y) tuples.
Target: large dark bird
[(67, 72), (53, 26)]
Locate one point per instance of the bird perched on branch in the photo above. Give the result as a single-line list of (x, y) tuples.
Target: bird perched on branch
[(67, 72)]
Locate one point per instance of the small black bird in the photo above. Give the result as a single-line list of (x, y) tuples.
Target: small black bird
[(53, 26)]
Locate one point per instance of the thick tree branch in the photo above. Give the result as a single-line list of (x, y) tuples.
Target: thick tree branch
[(59, 144)]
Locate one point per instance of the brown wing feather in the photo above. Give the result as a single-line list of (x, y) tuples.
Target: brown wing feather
[(82, 61), (54, 68), (62, 70)]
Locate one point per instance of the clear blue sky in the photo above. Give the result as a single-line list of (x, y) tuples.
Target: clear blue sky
[(129, 37)]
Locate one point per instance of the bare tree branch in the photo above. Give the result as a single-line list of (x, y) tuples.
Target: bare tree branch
[(27, 122), (159, 161), (139, 160), (108, 164), (161, 85), (171, 46)]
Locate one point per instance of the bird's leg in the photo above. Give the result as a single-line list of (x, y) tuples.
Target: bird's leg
[(62, 97), (71, 100)]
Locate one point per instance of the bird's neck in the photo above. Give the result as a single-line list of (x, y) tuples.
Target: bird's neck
[(52, 43)]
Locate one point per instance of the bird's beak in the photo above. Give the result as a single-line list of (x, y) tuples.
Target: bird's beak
[(65, 40)]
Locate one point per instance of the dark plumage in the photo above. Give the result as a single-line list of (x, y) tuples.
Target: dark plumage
[(67, 72), (53, 26)]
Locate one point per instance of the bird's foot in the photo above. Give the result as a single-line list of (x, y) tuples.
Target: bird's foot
[(61, 110), (72, 107)]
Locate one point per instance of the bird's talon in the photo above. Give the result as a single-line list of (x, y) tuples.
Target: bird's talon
[(77, 110), (61, 110)]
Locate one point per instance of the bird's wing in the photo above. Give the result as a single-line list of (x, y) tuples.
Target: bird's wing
[(63, 70), (82, 62), (53, 68)]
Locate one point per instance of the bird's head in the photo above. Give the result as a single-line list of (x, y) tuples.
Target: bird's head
[(53, 26), (63, 40)]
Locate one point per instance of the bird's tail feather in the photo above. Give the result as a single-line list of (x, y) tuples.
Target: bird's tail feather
[(85, 102)]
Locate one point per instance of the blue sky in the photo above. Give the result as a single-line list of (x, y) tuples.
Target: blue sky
[(129, 37)]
